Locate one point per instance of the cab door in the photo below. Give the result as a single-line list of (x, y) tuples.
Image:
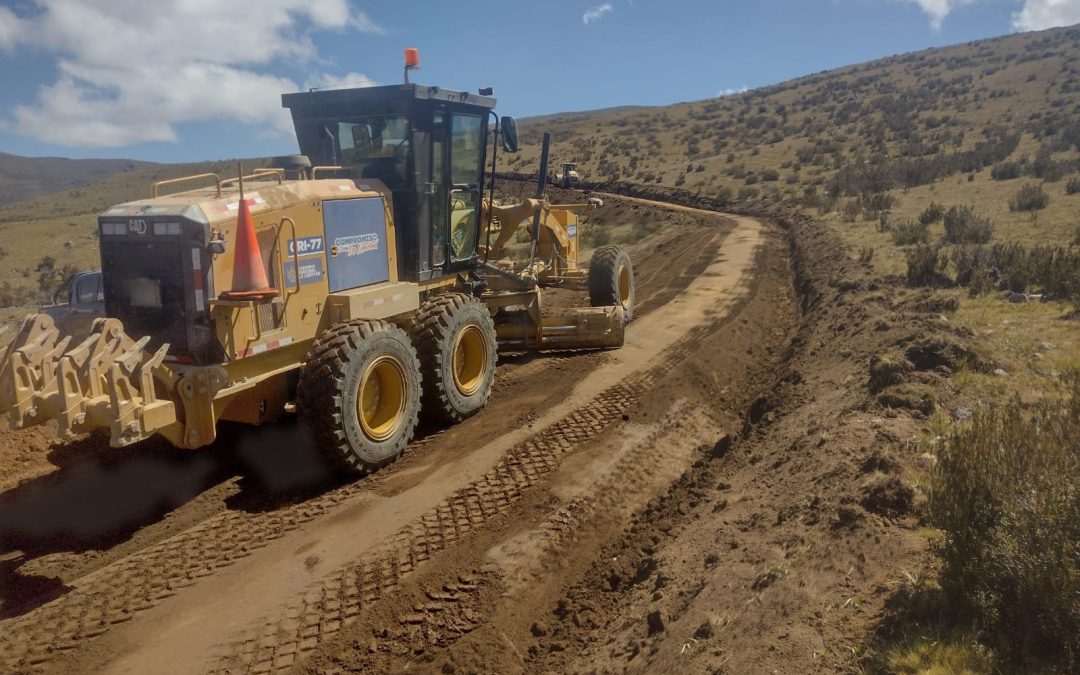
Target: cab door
[(466, 146), (455, 167)]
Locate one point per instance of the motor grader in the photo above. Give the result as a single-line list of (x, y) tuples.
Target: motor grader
[(360, 284)]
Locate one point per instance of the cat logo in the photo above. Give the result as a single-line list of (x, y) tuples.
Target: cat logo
[(137, 226)]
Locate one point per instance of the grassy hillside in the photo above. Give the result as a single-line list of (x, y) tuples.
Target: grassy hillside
[(26, 177), (866, 148), (43, 238), (955, 168), (890, 135)]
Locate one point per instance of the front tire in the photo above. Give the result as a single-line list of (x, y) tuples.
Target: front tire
[(455, 337), (611, 280), (359, 394)]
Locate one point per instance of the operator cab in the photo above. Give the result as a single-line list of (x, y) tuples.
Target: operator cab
[(427, 145)]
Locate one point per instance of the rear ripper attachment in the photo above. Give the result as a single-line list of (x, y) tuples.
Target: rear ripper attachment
[(108, 381), (362, 284)]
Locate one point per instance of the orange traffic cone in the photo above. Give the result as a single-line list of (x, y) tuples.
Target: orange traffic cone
[(249, 275)]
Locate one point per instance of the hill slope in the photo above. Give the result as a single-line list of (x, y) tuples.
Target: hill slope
[(63, 226), (925, 126), (26, 177)]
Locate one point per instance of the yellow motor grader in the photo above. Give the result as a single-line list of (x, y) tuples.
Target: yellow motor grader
[(360, 284)]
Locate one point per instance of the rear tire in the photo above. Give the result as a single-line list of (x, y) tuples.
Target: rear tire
[(359, 394), (455, 337), (611, 280)]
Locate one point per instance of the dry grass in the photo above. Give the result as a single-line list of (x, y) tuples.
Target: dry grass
[(1054, 225), (1004, 494), (64, 225)]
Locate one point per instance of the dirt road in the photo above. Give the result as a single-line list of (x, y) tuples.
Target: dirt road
[(475, 533)]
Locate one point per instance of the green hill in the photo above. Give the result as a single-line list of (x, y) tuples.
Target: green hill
[(968, 124), (26, 177), (864, 147), (63, 226)]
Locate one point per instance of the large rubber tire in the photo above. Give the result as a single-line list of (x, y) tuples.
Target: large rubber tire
[(359, 394), (455, 337), (611, 280)]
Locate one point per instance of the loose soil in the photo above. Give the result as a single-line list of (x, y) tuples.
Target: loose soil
[(720, 495)]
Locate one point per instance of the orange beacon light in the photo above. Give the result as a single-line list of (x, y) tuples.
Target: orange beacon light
[(412, 61)]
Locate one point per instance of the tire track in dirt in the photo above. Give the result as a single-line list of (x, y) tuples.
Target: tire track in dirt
[(118, 592), (651, 459), (337, 600), (681, 242)]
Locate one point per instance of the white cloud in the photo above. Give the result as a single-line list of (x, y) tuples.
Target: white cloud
[(937, 10), (10, 27), (1034, 15), (348, 80), (131, 70), (1043, 14), (594, 14), (732, 91)]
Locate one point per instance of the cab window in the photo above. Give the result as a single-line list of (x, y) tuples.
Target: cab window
[(466, 154), (88, 290), (376, 147)]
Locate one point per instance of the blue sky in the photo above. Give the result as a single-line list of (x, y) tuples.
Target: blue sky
[(187, 80)]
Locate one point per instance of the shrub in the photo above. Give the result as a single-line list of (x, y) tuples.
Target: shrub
[(927, 266), (964, 226), (932, 214), (811, 199), (910, 232), (770, 175), (878, 201), (1004, 493), (748, 193), (883, 224), (1072, 187), (1006, 171), (975, 269), (594, 235), (17, 296), (1030, 197), (850, 211)]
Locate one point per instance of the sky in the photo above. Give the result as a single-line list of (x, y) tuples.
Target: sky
[(189, 80)]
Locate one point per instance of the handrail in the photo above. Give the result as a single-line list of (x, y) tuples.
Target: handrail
[(317, 169), (185, 179), (259, 173), (296, 255)]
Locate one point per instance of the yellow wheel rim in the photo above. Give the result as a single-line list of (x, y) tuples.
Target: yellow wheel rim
[(470, 360), (624, 285), (381, 403)]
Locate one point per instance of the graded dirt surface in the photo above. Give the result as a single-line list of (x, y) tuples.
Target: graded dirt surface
[(723, 494), (153, 559)]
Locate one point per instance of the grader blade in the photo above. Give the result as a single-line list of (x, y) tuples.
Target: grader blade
[(107, 381), (580, 328), (584, 328)]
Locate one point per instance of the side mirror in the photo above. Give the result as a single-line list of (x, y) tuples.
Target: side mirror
[(509, 134), (216, 246)]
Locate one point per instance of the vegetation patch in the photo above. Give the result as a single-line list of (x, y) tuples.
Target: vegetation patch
[(1030, 197), (1005, 494), (964, 226), (912, 396)]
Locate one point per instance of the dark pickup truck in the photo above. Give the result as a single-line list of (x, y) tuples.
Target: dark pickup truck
[(77, 304)]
